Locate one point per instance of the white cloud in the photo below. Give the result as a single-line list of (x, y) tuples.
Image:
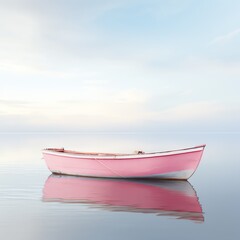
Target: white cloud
[(131, 96), (55, 39), (195, 111), (107, 114), (226, 38)]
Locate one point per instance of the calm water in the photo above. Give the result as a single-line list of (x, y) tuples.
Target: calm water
[(37, 205)]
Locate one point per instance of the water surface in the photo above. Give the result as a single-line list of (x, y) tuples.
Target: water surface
[(37, 205)]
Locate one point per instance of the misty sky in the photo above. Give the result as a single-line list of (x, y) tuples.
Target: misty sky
[(129, 65)]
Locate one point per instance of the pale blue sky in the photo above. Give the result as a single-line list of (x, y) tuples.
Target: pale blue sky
[(119, 65)]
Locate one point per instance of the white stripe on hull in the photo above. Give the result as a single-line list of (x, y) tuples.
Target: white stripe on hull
[(185, 174)]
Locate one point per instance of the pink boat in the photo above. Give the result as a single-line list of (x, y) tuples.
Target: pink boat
[(176, 164), (176, 199)]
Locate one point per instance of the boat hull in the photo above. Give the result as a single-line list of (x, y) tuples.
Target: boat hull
[(168, 165)]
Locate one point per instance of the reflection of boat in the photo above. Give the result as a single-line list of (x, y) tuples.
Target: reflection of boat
[(176, 164), (170, 198)]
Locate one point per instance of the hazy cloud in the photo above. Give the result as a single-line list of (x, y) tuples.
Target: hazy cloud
[(226, 38), (117, 64)]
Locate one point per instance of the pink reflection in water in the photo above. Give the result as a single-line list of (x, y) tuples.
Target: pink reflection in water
[(170, 198)]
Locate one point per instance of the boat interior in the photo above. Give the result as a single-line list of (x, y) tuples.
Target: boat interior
[(92, 153)]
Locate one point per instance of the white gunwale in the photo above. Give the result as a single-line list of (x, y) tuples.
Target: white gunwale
[(94, 156)]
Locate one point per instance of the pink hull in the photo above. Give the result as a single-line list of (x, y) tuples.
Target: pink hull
[(171, 198), (178, 164)]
